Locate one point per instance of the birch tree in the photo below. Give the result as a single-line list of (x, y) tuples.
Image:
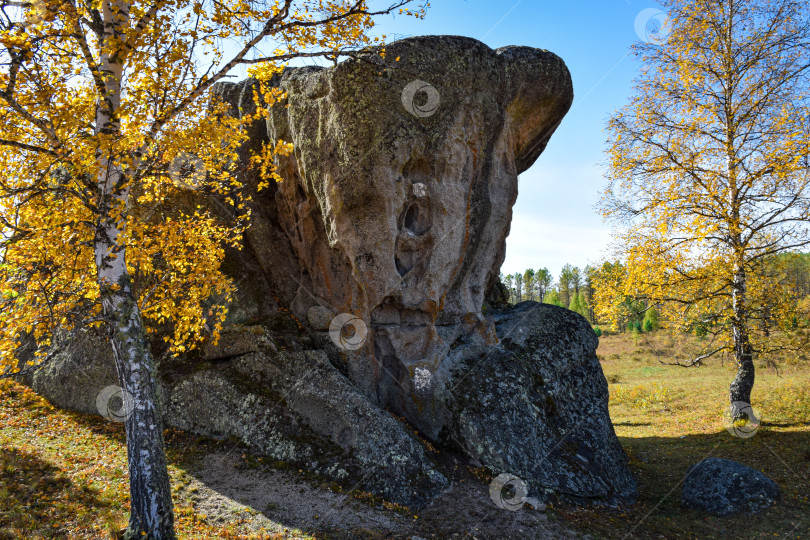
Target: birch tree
[(518, 287), (529, 283), (708, 167), (543, 279), (105, 110)]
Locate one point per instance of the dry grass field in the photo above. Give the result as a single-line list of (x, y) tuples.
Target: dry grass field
[(670, 417), (62, 474)]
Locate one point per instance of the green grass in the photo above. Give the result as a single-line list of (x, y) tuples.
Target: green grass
[(669, 418)]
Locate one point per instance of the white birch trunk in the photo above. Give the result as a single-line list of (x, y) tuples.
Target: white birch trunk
[(150, 492)]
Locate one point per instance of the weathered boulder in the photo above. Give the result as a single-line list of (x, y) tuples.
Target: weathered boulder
[(291, 406), (393, 209), (723, 487), (80, 369), (297, 407), (536, 405)]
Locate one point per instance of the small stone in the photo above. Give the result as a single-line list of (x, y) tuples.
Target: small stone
[(723, 487)]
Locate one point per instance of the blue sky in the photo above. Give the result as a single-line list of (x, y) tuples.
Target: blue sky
[(554, 218)]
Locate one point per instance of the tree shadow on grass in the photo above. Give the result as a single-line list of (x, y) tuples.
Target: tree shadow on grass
[(661, 464), (785, 424), (38, 499)]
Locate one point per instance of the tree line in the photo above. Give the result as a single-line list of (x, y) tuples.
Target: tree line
[(573, 289), (598, 293)]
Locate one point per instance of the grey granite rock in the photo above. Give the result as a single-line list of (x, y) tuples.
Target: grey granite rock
[(391, 460), (290, 406), (397, 199), (536, 406), (723, 487), (77, 373), (319, 317)]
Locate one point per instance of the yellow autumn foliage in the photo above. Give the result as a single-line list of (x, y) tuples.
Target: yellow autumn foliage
[(708, 173), (168, 136)]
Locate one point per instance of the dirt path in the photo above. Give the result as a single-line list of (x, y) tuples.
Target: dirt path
[(261, 499)]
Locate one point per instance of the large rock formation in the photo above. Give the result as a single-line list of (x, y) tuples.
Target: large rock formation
[(399, 218), (385, 240)]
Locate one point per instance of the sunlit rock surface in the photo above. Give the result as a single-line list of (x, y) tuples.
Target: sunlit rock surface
[(368, 287), (395, 214)]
